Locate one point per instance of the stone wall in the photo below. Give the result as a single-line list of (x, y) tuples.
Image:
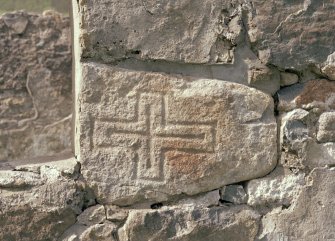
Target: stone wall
[(194, 120), (35, 85)]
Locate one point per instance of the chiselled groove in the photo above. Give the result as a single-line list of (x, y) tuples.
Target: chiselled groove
[(155, 135)]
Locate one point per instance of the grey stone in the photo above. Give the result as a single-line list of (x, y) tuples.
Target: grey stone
[(179, 31), (288, 79), (328, 68), (149, 136), (326, 131), (287, 96), (205, 199), (318, 93), (294, 138), (92, 215), (276, 189), (292, 34), (311, 216), (38, 206), (97, 232), (191, 224), (234, 194), (319, 155), (115, 213), (17, 22)]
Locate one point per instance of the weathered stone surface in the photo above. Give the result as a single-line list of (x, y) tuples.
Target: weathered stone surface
[(98, 232), (234, 194), (115, 213), (35, 85), (326, 132), (237, 223), (319, 155), (150, 135), (180, 31), (208, 199), (26, 223), (38, 206), (92, 215), (312, 215), (292, 34), (294, 138), (68, 166), (287, 78), (278, 188), (300, 139), (318, 93), (328, 68)]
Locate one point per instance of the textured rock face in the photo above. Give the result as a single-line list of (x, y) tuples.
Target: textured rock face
[(238, 223), (311, 218), (39, 202), (292, 34), (149, 136), (187, 31), (176, 135), (35, 85)]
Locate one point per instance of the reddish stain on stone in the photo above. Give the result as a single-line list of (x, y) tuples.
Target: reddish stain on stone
[(184, 165), (316, 90)]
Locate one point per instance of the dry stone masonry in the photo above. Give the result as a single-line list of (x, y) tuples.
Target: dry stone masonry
[(192, 121)]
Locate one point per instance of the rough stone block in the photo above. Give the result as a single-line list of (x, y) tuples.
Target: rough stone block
[(319, 93), (292, 34), (180, 31), (38, 205), (312, 215), (35, 85), (196, 224), (279, 188), (205, 199), (288, 79), (92, 215), (234, 194), (326, 132), (149, 135)]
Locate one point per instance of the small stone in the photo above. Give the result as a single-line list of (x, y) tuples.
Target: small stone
[(17, 22), (100, 232), (17, 179), (288, 79), (262, 77), (318, 93), (320, 154), (92, 215), (115, 213), (286, 97), (206, 200), (234, 194), (326, 131), (329, 67), (278, 188)]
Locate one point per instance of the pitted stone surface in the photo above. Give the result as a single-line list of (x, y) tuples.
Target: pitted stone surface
[(180, 31), (149, 135)]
